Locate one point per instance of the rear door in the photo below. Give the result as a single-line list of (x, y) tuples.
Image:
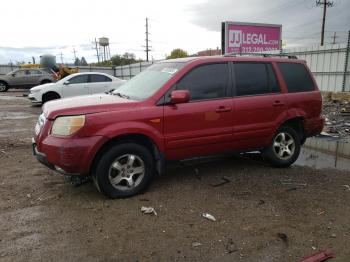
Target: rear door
[(76, 86), (259, 104), (33, 76), (99, 83), (203, 125)]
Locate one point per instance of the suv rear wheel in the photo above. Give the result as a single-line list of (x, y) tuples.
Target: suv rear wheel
[(124, 170), (3, 86), (285, 147)]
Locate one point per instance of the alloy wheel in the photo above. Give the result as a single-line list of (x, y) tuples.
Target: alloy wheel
[(126, 172), (284, 145)]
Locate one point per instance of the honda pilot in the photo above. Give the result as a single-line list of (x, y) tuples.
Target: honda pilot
[(178, 109)]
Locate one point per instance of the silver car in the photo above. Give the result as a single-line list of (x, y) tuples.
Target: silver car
[(26, 78)]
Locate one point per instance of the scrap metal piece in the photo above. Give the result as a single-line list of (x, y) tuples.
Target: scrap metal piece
[(224, 180), (318, 257), (149, 210), (209, 217)]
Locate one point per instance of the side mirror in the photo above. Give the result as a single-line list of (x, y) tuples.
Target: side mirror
[(13, 74), (66, 82), (179, 96)]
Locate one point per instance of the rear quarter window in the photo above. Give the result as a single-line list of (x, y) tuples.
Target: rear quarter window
[(297, 78)]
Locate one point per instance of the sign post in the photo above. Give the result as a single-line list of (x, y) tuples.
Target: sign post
[(237, 37)]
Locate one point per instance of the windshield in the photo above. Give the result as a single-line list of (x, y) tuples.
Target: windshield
[(146, 83), (12, 72)]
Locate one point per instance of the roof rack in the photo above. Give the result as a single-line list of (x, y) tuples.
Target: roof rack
[(260, 54)]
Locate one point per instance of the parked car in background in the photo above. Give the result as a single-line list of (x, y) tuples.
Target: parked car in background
[(179, 109), (74, 85), (26, 78)]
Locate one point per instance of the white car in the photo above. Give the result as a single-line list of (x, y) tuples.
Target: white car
[(74, 85)]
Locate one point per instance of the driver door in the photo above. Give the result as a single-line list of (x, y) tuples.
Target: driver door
[(76, 86)]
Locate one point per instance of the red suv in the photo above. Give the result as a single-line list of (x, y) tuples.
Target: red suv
[(178, 109)]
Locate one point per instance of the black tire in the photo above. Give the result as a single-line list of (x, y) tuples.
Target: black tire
[(280, 157), (46, 81), (104, 172), (3, 86), (50, 96)]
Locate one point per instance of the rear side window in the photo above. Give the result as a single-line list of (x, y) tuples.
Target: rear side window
[(296, 77), (206, 82), (99, 78), (255, 79)]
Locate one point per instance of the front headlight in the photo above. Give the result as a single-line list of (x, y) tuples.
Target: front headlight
[(67, 125)]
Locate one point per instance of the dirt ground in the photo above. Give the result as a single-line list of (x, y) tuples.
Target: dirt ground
[(262, 213)]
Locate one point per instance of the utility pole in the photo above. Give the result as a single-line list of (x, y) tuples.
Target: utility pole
[(147, 40), (325, 4), (75, 54), (61, 55), (334, 37)]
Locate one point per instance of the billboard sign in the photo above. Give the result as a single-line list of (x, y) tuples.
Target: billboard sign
[(239, 37)]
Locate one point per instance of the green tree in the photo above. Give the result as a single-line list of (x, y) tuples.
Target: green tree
[(83, 61), (77, 61), (177, 53)]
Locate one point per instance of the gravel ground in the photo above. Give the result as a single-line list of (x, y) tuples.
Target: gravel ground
[(262, 213)]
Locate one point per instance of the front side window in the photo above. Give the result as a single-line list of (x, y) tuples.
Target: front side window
[(81, 79), (20, 73), (255, 79), (99, 78), (296, 77), (206, 82)]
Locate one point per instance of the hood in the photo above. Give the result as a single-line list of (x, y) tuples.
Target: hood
[(42, 86), (81, 105)]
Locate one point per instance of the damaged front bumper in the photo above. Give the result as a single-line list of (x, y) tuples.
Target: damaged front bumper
[(42, 158)]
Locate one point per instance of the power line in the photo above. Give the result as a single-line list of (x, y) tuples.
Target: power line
[(325, 4)]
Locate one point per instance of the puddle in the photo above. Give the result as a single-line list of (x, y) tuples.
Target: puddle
[(15, 115), (322, 153), (12, 98)]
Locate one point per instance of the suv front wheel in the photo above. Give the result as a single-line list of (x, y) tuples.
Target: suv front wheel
[(124, 170), (285, 147)]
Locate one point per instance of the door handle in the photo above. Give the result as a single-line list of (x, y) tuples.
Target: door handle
[(278, 103), (222, 109)]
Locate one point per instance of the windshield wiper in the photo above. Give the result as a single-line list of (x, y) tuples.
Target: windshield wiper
[(121, 95)]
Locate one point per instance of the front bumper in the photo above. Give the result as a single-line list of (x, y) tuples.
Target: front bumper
[(41, 157), (32, 98), (68, 156)]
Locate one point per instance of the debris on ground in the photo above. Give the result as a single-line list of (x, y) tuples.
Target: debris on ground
[(196, 244), (337, 118), (261, 202), (230, 247), (149, 210), (209, 217), (347, 187), (196, 174), (224, 180), (318, 257), (292, 182), (283, 237)]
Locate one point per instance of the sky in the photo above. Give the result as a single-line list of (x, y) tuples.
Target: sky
[(36, 27)]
